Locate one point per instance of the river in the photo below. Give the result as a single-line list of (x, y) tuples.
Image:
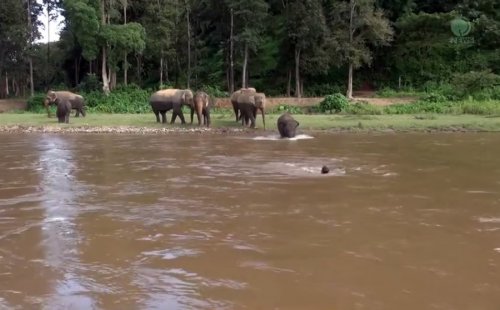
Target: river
[(207, 221)]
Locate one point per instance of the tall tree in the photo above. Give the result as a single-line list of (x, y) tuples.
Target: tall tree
[(358, 27), (306, 29), (249, 17)]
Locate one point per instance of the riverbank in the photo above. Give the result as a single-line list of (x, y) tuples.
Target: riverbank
[(225, 123)]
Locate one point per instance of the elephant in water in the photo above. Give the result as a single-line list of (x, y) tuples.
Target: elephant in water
[(63, 110), (248, 102), (287, 125), (77, 102), (234, 100), (202, 107), (171, 99)]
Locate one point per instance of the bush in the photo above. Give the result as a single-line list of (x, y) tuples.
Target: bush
[(319, 90), (214, 91), (363, 108), (35, 103), (124, 99), (90, 83), (336, 102), (475, 81)]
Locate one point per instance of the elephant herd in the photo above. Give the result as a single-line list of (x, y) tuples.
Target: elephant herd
[(246, 103)]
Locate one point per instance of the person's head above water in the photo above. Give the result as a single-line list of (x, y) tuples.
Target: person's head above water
[(325, 170)]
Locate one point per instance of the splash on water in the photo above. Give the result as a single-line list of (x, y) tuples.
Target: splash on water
[(278, 138)]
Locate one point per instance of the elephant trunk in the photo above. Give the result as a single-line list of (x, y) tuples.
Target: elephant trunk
[(263, 118)]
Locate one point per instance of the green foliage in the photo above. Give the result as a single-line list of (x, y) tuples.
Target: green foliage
[(362, 108), (35, 103), (129, 99), (214, 91), (475, 83), (336, 102), (90, 83)]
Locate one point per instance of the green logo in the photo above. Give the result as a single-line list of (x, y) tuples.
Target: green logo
[(460, 27)]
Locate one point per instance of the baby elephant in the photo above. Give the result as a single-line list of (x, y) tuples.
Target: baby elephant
[(201, 105), (287, 125), (63, 111)]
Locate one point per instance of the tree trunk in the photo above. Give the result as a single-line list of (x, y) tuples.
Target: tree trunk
[(297, 72), (48, 46), (161, 69), (125, 63), (166, 71), (352, 4), (244, 73), (289, 83), (30, 58), (6, 85), (188, 46), (231, 53), (105, 81), (349, 82)]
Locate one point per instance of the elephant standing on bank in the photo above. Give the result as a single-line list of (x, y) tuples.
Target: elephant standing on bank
[(63, 110), (171, 99), (77, 102), (287, 125), (201, 107), (234, 99), (248, 102)]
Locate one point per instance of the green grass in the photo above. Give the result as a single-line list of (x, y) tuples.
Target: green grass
[(401, 122)]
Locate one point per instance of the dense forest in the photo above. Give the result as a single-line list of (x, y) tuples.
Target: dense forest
[(282, 47)]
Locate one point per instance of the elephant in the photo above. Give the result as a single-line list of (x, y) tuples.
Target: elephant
[(234, 99), (171, 99), (248, 102), (77, 102), (287, 125), (63, 110), (202, 107)]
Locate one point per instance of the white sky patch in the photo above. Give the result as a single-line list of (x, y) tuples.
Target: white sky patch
[(50, 33)]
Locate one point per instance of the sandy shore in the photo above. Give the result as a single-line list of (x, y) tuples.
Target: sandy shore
[(121, 130)]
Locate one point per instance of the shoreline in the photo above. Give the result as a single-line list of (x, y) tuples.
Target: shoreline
[(54, 129)]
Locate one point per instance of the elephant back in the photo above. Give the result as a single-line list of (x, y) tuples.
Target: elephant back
[(67, 95), (167, 95)]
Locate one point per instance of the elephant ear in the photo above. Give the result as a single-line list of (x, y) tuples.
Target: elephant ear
[(51, 95)]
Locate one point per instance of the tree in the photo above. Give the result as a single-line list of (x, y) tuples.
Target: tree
[(306, 28), (357, 27), (249, 18)]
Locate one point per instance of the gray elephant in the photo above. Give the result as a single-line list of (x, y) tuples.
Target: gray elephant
[(63, 110), (171, 99), (248, 103), (77, 102), (234, 99), (287, 125), (201, 105)]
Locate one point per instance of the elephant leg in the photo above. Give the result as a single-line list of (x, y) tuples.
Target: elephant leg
[(252, 119), (66, 118), (77, 112), (82, 110), (235, 108), (207, 118), (157, 114), (163, 117), (199, 113), (192, 115)]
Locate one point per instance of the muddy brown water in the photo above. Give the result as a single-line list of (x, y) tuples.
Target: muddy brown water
[(403, 221)]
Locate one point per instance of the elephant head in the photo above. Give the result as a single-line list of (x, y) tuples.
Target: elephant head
[(187, 98), (49, 99), (260, 104), (287, 125)]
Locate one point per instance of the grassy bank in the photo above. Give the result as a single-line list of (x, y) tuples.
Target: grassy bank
[(402, 122)]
